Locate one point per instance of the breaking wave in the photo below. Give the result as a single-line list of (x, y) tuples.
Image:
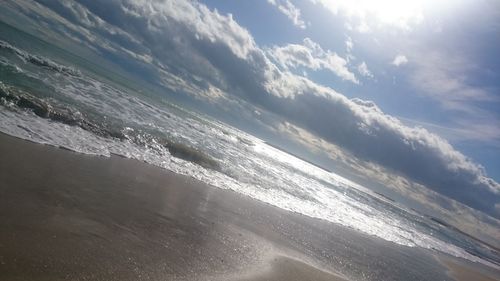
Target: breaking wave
[(39, 61), (14, 97)]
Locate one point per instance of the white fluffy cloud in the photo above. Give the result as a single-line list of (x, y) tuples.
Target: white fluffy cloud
[(349, 44), (400, 60), (311, 55), (197, 18), (288, 9), (364, 71)]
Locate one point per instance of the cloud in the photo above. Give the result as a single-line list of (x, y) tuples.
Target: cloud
[(390, 182), (463, 131), (400, 60), (369, 134), (364, 71), (311, 55), (444, 77), (288, 9), (212, 51), (349, 44)]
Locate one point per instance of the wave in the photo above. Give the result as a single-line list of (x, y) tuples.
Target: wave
[(15, 98), (39, 61)]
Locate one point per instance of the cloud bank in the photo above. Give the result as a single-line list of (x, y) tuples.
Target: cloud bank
[(188, 41)]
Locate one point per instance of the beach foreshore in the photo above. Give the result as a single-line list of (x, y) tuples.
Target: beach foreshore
[(68, 216), (465, 272)]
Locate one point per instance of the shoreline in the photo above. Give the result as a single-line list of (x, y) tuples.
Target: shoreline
[(53, 217), (71, 216)]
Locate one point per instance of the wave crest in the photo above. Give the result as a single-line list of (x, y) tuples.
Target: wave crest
[(39, 61)]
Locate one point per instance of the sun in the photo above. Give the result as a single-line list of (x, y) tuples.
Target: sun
[(385, 12)]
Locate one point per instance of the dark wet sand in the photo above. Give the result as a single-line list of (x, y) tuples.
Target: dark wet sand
[(66, 216), (464, 272)]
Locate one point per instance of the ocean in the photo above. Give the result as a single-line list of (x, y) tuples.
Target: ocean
[(52, 96)]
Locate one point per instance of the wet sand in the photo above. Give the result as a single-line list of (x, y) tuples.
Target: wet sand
[(67, 216), (283, 268), (463, 272)]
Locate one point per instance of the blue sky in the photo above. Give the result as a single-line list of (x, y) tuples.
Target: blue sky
[(404, 94)]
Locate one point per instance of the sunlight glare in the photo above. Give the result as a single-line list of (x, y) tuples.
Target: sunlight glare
[(392, 12)]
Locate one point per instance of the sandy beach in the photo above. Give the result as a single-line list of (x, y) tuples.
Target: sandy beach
[(67, 216)]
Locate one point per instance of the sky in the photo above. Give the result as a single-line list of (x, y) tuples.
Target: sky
[(404, 93), (429, 63)]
